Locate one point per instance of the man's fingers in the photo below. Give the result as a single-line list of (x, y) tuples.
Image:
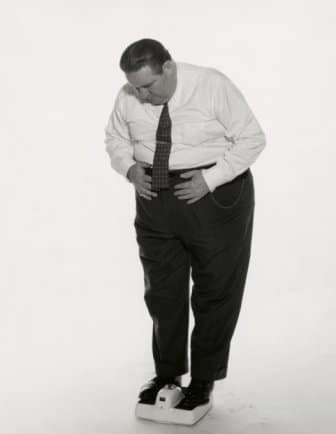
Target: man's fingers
[(153, 193), (143, 164), (145, 191)]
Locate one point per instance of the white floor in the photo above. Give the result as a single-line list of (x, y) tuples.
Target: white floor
[(281, 379)]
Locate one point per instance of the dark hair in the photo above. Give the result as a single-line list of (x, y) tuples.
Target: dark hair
[(144, 52)]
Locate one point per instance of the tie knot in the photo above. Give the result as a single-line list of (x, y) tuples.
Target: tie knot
[(165, 109)]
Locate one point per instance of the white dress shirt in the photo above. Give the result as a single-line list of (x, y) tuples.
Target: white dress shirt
[(211, 123)]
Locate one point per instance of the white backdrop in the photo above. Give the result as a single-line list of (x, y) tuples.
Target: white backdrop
[(75, 335)]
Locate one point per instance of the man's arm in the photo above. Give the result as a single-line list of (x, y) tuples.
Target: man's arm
[(117, 139), (241, 129)]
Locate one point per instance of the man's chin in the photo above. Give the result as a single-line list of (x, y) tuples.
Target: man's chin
[(153, 101)]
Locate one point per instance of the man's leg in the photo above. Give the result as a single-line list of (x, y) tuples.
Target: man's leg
[(166, 266), (220, 253)]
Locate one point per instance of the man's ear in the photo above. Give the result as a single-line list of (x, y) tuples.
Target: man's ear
[(168, 66)]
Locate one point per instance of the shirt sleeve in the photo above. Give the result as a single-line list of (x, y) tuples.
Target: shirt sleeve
[(117, 138), (242, 131)]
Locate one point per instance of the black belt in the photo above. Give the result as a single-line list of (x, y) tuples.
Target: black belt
[(176, 172)]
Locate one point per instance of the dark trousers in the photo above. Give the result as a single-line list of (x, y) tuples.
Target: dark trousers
[(211, 238)]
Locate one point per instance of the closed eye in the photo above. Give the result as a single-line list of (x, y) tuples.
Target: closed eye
[(146, 86)]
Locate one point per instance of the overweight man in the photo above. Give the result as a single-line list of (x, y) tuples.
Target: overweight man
[(185, 137)]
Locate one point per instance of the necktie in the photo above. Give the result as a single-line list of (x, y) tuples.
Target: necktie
[(162, 151)]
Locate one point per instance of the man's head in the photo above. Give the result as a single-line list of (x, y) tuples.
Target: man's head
[(150, 69)]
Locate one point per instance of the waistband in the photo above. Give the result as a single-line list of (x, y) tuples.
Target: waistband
[(176, 172)]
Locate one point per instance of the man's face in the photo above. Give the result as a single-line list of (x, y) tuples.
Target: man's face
[(151, 87)]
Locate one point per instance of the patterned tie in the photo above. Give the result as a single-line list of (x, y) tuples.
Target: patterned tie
[(162, 151)]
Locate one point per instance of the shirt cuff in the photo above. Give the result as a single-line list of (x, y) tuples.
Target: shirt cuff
[(217, 175), (124, 167)]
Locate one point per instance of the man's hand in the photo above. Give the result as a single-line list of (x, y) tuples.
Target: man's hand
[(193, 189), (142, 182)]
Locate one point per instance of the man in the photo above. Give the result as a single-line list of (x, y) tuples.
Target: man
[(185, 137)]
